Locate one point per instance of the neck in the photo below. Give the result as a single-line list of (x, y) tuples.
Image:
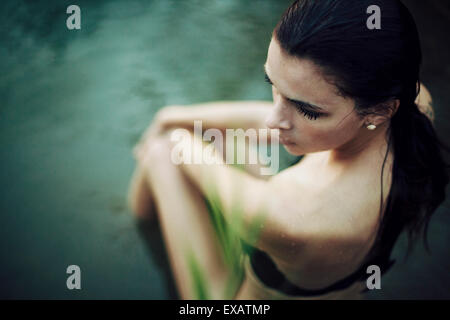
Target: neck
[(362, 147)]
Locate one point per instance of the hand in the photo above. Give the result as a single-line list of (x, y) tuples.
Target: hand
[(157, 128)]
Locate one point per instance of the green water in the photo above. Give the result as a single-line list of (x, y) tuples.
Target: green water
[(73, 104)]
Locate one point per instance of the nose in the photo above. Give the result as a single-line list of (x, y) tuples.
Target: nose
[(278, 118)]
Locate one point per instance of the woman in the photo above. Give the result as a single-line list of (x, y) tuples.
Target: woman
[(347, 98)]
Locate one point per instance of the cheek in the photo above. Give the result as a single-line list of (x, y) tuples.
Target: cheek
[(321, 136)]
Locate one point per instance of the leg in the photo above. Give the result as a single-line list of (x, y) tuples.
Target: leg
[(140, 195), (140, 199), (185, 224)]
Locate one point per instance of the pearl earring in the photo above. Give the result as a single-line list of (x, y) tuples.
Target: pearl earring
[(371, 127)]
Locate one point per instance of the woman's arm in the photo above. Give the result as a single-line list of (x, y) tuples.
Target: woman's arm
[(219, 114)]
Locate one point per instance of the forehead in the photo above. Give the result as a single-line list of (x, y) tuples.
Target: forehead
[(299, 79)]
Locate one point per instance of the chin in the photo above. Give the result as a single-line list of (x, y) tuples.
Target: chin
[(295, 150), (292, 149)]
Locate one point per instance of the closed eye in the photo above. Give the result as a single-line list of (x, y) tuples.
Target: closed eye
[(301, 107)]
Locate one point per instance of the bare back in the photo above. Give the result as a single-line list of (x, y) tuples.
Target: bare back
[(347, 203)]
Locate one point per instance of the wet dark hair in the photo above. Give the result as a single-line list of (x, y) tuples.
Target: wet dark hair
[(373, 67)]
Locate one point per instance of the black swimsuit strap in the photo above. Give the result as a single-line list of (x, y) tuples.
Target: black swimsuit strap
[(268, 273)]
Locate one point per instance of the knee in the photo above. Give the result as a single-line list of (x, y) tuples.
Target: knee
[(154, 150)]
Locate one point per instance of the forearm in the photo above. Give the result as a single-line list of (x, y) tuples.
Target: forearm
[(220, 114)]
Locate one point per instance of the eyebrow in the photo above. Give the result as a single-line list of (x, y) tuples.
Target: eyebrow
[(307, 104)]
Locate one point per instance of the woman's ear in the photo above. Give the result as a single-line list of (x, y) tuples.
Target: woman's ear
[(393, 105), (382, 112)]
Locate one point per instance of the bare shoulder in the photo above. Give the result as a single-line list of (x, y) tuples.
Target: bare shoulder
[(330, 231), (424, 102), (325, 218), (331, 218)]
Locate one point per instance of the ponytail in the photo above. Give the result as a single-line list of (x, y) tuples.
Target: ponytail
[(420, 176)]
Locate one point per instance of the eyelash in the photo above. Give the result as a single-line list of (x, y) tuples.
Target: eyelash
[(309, 114), (300, 107)]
